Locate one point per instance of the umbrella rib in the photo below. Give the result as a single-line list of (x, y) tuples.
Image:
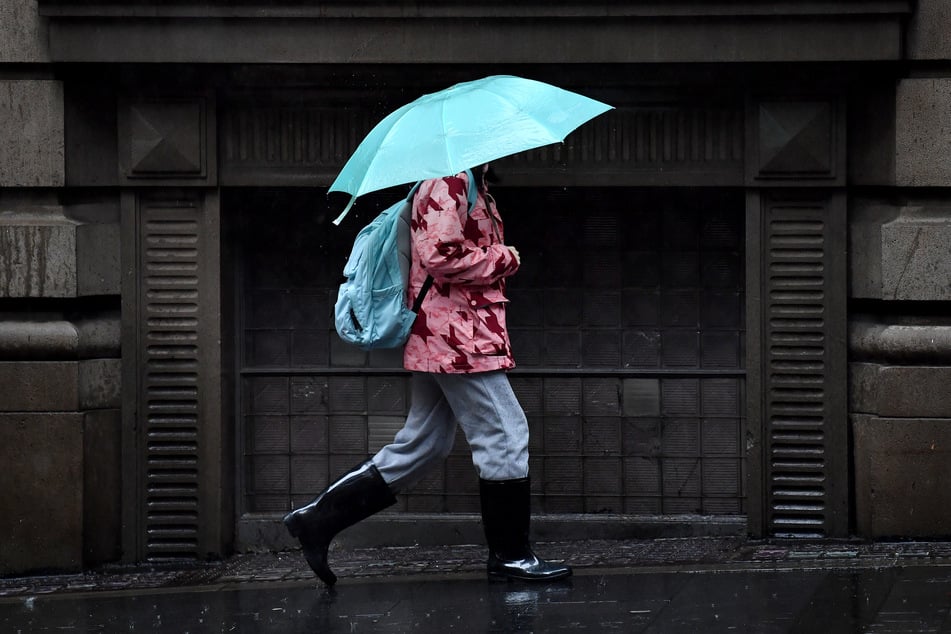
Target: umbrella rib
[(390, 131), (442, 116)]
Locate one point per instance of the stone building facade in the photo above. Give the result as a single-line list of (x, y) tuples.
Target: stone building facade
[(750, 332)]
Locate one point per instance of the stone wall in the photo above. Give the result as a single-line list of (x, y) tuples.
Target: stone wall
[(900, 289), (24, 33), (59, 327)]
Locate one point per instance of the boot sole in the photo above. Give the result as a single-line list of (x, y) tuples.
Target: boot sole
[(501, 576)]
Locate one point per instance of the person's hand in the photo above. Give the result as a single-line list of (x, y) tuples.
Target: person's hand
[(518, 258)]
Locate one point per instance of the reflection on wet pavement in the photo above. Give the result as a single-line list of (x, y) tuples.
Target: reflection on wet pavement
[(813, 602)]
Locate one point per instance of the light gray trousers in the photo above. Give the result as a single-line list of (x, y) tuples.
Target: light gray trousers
[(483, 404)]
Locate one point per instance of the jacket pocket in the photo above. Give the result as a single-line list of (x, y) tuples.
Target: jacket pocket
[(486, 312), (484, 296)]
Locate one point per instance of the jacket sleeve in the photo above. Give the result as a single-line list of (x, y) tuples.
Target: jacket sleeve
[(444, 249)]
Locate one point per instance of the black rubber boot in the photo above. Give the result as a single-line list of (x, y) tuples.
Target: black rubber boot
[(506, 515), (355, 496)]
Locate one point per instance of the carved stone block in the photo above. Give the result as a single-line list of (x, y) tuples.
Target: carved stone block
[(794, 140), (900, 253), (166, 140)]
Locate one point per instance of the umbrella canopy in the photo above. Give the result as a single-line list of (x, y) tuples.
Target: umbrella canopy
[(466, 125)]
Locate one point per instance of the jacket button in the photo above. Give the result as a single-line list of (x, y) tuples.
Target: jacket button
[(472, 302)]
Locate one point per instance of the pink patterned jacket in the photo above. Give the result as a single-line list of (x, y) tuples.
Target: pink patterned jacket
[(461, 324)]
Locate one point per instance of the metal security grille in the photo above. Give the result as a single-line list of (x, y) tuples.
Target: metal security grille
[(627, 325), (168, 350), (803, 313)]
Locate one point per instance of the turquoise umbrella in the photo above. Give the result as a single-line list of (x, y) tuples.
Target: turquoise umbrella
[(469, 124)]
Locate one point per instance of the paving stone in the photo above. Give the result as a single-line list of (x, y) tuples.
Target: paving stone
[(731, 553)]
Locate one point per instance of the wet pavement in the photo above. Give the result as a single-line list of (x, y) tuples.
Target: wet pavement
[(689, 585)]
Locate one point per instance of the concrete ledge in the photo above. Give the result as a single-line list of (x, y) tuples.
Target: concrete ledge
[(902, 470), (900, 343), (58, 339), (36, 340)]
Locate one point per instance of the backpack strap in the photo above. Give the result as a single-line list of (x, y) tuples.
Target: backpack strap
[(427, 284), (473, 191), (471, 195)]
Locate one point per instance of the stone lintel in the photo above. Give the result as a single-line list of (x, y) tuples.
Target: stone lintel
[(601, 38)]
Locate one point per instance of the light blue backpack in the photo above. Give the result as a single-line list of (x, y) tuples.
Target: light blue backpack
[(371, 309)]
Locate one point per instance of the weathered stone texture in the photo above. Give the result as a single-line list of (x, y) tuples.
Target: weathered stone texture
[(41, 492), (99, 335), (900, 253), (23, 33), (923, 132), (902, 468), (45, 253), (37, 261), (929, 33), (899, 343), (99, 382), (37, 339), (900, 391), (31, 134), (916, 259), (42, 386), (45, 338), (865, 246), (97, 258)]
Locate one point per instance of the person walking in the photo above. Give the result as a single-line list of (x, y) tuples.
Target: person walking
[(458, 352)]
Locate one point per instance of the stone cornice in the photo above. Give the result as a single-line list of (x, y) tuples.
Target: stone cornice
[(457, 8), (488, 32)]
